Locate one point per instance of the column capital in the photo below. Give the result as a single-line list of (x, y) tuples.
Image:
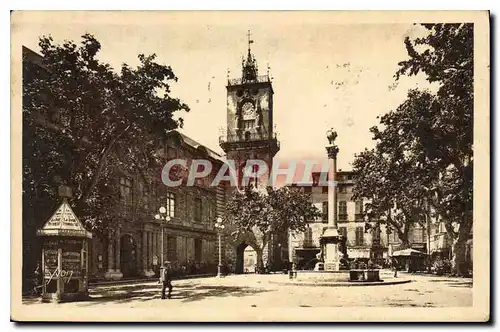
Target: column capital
[(332, 151)]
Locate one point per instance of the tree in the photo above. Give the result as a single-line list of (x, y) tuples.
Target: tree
[(423, 155), (83, 123), (393, 176), (257, 217), (445, 55)]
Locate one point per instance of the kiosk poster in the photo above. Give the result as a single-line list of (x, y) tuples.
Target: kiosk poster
[(71, 257), (50, 257)]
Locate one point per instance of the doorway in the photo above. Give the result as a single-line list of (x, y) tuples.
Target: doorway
[(246, 259), (128, 256)]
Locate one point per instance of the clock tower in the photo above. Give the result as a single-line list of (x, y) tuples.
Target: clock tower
[(249, 133)]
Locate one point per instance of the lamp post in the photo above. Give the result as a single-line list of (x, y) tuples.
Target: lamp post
[(428, 229), (162, 216), (220, 227)]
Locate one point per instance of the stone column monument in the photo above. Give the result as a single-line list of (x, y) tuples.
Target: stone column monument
[(330, 239)]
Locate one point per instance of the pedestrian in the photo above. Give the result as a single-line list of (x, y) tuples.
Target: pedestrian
[(395, 267), (166, 280), (37, 279)]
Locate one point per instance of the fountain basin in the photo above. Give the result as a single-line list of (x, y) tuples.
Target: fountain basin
[(312, 276), (362, 275), (342, 278)]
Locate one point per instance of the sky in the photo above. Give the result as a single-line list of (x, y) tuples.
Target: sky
[(327, 73)]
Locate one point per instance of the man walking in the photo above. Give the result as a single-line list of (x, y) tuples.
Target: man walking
[(395, 266), (166, 280)]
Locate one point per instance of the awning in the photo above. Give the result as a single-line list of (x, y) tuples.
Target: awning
[(408, 252), (307, 249)]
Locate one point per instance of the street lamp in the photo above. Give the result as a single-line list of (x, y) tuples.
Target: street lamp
[(220, 227), (162, 216)]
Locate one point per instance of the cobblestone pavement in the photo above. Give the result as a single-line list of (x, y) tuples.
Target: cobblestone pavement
[(246, 291)]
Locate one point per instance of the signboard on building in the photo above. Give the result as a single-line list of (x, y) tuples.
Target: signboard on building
[(358, 252)]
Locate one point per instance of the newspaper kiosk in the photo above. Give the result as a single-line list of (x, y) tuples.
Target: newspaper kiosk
[(65, 245)]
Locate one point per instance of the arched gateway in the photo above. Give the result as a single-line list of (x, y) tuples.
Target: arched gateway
[(246, 259)]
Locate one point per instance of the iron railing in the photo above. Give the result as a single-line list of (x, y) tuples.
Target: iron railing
[(240, 81), (247, 137)]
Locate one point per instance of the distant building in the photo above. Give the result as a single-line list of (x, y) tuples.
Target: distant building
[(362, 244)]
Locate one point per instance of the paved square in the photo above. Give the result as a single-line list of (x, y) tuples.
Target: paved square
[(246, 291)]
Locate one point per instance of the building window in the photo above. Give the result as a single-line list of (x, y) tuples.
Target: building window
[(197, 209), (198, 250), (211, 209), (325, 212), (418, 235), (126, 193), (359, 210), (376, 235), (255, 170), (342, 189), (172, 247), (360, 232), (343, 231), (359, 207), (342, 207), (187, 207), (307, 189), (325, 190), (315, 178), (248, 124), (342, 210), (170, 204), (393, 237), (143, 191)]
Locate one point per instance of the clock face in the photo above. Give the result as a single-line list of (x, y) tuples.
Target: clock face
[(248, 110)]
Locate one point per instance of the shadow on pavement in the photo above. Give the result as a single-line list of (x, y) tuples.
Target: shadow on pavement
[(201, 292), (186, 292), (454, 283)]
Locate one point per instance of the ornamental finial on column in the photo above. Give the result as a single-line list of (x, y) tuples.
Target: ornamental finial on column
[(331, 135), (332, 149)]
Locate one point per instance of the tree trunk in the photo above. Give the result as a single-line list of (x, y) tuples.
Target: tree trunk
[(102, 162), (459, 264), (260, 261)]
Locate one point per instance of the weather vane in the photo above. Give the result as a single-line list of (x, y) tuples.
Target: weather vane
[(250, 41)]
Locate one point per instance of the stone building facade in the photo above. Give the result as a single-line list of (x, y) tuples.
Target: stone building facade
[(362, 243), (132, 247), (189, 238)]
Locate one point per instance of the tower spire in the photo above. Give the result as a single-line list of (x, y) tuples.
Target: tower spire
[(250, 65), (250, 41)]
